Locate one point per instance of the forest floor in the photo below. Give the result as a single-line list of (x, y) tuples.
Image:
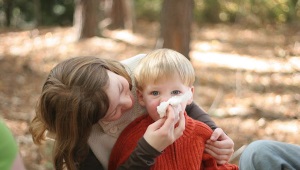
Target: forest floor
[(248, 79)]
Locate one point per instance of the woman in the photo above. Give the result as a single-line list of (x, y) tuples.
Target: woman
[(86, 102)]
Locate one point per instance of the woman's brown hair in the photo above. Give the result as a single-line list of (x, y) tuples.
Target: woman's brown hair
[(73, 98)]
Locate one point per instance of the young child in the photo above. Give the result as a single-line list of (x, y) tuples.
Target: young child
[(161, 75)]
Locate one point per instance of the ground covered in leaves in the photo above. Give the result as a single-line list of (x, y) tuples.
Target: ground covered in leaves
[(248, 79)]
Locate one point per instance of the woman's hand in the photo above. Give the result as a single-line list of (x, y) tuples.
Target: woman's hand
[(165, 131), (220, 146)]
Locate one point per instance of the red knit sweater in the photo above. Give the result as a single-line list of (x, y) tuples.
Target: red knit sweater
[(187, 152)]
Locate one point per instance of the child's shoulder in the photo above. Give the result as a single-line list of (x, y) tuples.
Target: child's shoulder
[(198, 128)]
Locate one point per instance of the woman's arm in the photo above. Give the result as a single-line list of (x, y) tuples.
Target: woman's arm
[(195, 112), (91, 162), (143, 157)]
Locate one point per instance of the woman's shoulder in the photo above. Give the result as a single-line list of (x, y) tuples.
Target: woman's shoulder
[(132, 62), (90, 162)]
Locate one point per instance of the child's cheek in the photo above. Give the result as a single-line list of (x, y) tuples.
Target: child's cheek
[(153, 105), (152, 109)]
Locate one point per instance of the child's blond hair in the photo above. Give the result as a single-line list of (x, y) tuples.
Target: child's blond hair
[(164, 64)]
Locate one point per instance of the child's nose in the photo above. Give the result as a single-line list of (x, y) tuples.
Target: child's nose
[(165, 98)]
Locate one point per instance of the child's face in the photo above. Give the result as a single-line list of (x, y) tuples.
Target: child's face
[(154, 94), (120, 97)]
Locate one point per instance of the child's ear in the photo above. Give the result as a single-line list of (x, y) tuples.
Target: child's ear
[(140, 97), (191, 99)]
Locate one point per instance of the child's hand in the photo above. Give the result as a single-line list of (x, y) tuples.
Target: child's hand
[(220, 146), (163, 132)]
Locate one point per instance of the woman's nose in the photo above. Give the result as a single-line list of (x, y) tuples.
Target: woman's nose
[(126, 100)]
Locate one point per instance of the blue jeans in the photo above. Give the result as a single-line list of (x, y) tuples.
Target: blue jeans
[(270, 155)]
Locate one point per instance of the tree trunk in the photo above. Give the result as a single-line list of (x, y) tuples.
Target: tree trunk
[(117, 14), (130, 15), (37, 12), (176, 21), (122, 15), (8, 6), (86, 17)]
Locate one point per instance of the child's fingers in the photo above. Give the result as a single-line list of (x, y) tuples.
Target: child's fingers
[(156, 125), (169, 122)]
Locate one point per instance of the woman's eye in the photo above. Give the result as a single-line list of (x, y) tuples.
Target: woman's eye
[(176, 92), (155, 93)]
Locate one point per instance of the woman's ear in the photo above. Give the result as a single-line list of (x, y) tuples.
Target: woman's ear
[(191, 99), (140, 97)]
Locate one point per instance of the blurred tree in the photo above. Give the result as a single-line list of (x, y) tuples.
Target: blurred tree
[(176, 21), (8, 7), (28, 13), (86, 17), (56, 12), (37, 11), (211, 11), (117, 14), (122, 15)]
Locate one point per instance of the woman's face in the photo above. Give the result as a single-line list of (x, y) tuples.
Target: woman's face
[(120, 97)]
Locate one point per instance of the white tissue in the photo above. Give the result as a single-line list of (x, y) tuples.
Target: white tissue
[(175, 103)]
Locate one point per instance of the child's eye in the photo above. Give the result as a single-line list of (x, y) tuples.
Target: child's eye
[(176, 92), (155, 93)]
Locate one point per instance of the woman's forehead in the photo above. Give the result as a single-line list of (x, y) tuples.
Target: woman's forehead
[(113, 89)]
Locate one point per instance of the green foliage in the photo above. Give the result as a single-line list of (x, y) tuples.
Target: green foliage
[(29, 13), (247, 11), (255, 12), (57, 12), (60, 12), (20, 11), (149, 10)]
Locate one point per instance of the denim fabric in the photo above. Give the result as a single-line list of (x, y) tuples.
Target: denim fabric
[(270, 155)]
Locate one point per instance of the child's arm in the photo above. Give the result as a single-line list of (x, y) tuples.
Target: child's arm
[(209, 163), (220, 146)]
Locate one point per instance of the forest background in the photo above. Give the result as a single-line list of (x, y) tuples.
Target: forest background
[(246, 55)]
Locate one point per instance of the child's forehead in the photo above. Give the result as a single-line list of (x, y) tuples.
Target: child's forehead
[(163, 80), (159, 77)]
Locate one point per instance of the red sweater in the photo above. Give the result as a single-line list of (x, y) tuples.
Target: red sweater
[(187, 152)]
